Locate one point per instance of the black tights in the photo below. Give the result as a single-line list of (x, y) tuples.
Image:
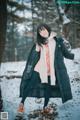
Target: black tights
[(46, 94)]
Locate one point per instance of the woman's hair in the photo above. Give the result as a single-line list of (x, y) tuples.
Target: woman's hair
[(40, 39)]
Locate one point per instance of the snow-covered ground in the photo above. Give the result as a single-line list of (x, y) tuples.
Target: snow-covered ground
[(10, 90)]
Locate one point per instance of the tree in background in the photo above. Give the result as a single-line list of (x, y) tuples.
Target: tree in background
[(3, 23), (19, 30), (25, 15)]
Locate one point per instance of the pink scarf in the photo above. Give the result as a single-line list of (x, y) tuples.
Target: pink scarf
[(45, 65)]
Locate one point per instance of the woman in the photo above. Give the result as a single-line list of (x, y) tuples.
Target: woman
[(45, 74)]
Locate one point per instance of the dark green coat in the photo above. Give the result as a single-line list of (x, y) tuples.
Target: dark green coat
[(30, 78)]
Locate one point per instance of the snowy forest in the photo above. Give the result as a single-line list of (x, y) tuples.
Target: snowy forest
[(18, 30), (19, 20)]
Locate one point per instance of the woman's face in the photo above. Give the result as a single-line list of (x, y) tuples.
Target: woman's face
[(43, 32)]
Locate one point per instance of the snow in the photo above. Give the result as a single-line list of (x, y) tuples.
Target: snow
[(26, 13), (12, 68), (10, 90)]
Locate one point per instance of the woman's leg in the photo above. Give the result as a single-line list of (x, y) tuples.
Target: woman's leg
[(47, 93), (21, 105), (46, 100), (23, 100)]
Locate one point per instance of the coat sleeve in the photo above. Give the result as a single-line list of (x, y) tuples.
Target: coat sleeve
[(31, 62), (67, 54)]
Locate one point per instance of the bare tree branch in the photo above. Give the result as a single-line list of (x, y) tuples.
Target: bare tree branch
[(18, 18)]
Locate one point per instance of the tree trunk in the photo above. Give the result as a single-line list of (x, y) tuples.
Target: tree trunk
[(3, 22)]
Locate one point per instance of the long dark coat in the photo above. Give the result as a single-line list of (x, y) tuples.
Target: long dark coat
[(30, 84)]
